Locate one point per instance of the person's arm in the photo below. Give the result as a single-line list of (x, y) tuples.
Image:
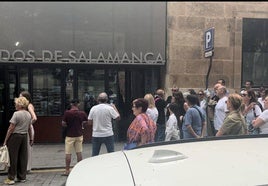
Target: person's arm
[(248, 108), (63, 123), (225, 127), (191, 131), (118, 118), (257, 122), (143, 140), (168, 129), (90, 122), (30, 133), (219, 133), (10, 130), (84, 124), (31, 110), (204, 128)]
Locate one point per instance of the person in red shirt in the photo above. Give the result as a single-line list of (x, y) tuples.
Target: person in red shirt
[(73, 120)]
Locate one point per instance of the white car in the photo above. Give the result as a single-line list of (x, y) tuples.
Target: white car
[(214, 161)]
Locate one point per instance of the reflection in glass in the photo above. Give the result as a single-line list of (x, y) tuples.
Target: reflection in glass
[(47, 91), (69, 88), (24, 80), (112, 86), (255, 51), (90, 84)]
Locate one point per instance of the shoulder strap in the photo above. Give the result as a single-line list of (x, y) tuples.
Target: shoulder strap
[(199, 112), (254, 111), (201, 117), (259, 104)]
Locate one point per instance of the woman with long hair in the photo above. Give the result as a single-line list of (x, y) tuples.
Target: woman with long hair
[(252, 109), (179, 99), (151, 111), (30, 109)]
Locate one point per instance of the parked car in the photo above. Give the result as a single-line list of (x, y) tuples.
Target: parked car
[(232, 160)]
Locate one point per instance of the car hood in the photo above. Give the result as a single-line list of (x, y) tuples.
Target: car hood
[(212, 162), (219, 162), (108, 169)]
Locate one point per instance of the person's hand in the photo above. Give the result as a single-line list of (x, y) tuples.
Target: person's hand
[(251, 105), (31, 142), (253, 122)]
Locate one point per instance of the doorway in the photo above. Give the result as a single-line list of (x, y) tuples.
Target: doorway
[(8, 92)]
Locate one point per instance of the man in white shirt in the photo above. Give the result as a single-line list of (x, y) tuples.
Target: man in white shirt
[(220, 108), (100, 116)]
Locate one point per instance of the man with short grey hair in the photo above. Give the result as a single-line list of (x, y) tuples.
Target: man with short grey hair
[(220, 108), (100, 116)]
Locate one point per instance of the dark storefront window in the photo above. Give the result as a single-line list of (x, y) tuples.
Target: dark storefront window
[(255, 51), (112, 86), (69, 87), (90, 84), (47, 91), (24, 82)]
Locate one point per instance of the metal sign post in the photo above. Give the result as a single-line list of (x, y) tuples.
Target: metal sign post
[(209, 46)]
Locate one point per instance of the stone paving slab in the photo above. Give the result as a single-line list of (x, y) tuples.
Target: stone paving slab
[(49, 156), (49, 163)]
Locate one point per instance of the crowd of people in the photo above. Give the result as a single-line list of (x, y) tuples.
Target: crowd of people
[(183, 115), (191, 114)]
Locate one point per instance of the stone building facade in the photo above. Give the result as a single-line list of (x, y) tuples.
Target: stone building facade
[(186, 23)]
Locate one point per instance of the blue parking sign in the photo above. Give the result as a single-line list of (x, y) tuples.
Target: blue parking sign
[(209, 39)]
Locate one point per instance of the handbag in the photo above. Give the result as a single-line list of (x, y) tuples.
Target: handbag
[(128, 146), (4, 158)]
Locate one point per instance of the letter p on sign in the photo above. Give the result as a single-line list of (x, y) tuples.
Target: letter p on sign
[(209, 39)]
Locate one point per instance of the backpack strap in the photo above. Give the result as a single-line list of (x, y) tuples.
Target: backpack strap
[(201, 117), (199, 112)]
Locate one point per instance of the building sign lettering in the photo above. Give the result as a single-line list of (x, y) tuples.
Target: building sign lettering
[(56, 56)]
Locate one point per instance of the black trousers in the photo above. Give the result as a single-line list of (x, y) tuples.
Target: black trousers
[(17, 148)]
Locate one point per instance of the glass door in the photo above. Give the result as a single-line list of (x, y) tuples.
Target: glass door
[(3, 125), (8, 93), (90, 84), (12, 92)]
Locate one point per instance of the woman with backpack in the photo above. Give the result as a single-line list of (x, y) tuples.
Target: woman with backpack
[(252, 109)]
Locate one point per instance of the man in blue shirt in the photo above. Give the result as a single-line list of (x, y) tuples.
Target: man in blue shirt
[(194, 125)]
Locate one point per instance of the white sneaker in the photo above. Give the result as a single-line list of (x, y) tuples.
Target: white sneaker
[(9, 182), (22, 181)]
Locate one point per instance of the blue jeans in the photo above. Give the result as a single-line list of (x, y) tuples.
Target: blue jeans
[(160, 133), (97, 141)]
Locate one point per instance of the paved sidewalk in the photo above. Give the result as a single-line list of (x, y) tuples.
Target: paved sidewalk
[(53, 155), (49, 164)]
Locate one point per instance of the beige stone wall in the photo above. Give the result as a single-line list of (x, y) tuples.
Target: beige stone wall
[(186, 24)]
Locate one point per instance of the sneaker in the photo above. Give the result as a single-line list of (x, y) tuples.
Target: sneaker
[(22, 181), (9, 182)]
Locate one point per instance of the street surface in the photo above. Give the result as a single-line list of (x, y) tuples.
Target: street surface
[(49, 162)]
